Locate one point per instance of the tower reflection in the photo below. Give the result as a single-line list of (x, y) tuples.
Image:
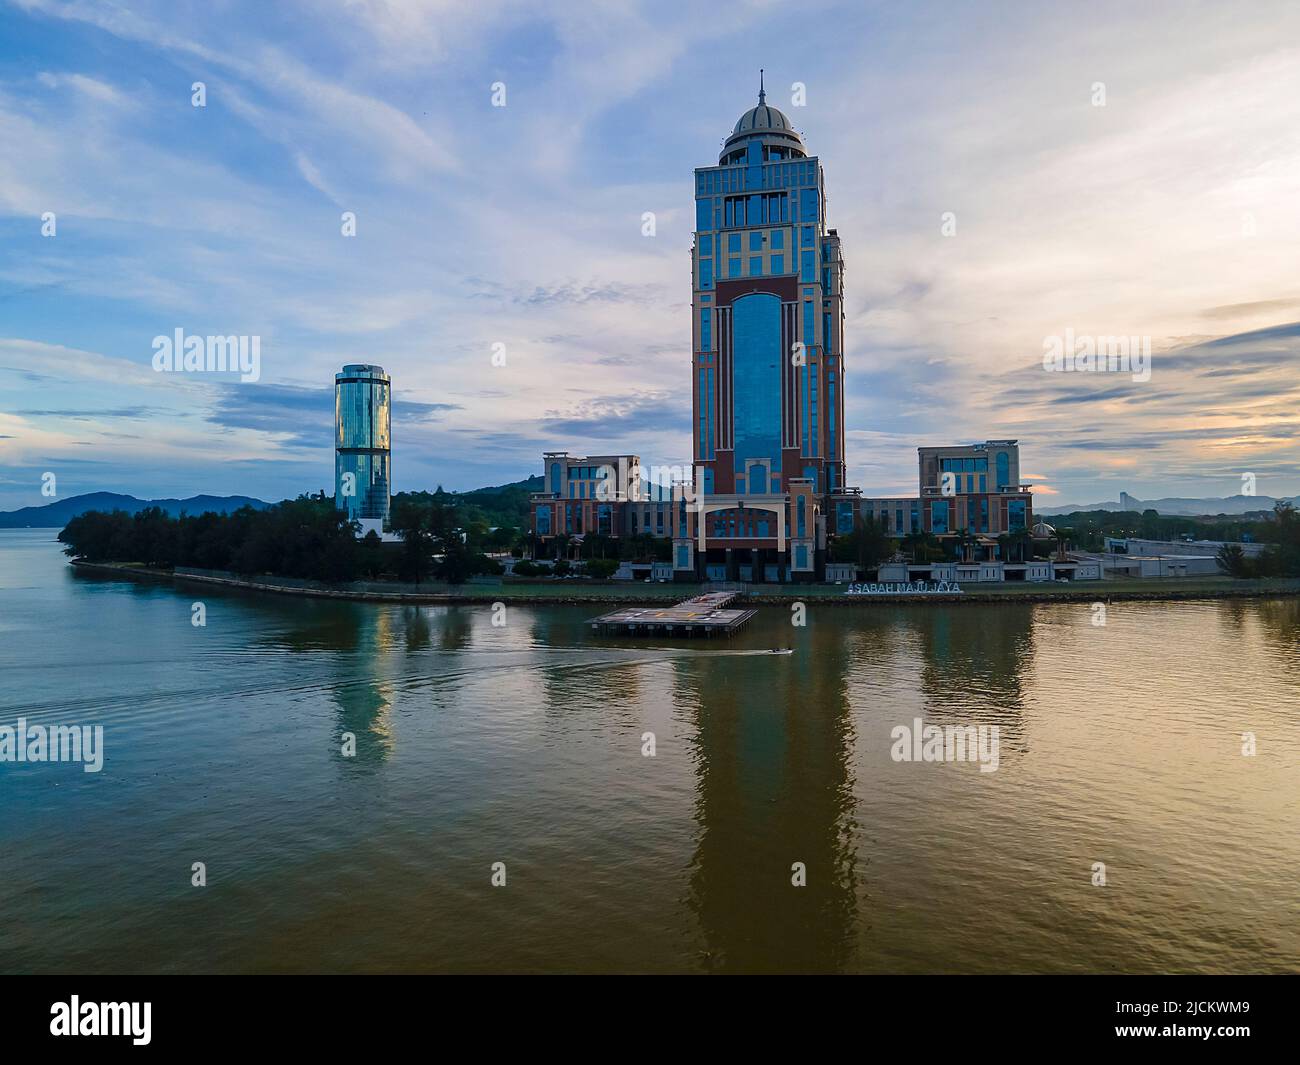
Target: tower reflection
[(774, 788)]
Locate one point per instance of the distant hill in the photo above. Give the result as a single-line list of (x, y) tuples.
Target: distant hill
[(1171, 505), (503, 505), (56, 515), (523, 488)]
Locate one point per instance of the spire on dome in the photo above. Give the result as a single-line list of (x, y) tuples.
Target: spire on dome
[(762, 96)]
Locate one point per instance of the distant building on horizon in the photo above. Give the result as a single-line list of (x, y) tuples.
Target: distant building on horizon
[(363, 445)]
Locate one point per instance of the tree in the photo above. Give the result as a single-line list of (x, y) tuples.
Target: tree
[(1061, 538), (965, 539), (370, 556), (1021, 542), (304, 537), (412, 520), (601, 568), (1232, 560), (1282, 556), (867, 545)]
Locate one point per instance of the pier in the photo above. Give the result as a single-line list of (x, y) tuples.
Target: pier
[(710, 614)]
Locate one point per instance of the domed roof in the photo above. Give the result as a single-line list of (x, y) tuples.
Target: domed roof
[(767, 124), (762, 117)]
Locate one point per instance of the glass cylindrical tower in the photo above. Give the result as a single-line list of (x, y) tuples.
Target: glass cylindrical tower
[(363, 447)]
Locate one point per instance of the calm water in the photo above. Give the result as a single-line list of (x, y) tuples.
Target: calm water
[(522, 744)]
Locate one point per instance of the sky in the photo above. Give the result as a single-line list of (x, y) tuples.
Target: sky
[(999, 173)]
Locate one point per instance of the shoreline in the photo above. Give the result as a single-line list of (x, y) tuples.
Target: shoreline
[(636, 594)]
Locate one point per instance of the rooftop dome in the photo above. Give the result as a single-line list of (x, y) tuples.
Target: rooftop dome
[(768, 125), (762, 117)]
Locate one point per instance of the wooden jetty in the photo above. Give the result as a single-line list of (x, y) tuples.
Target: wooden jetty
[(710, 614)]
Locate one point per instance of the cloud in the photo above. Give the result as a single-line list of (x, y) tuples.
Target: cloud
[(520, 226)]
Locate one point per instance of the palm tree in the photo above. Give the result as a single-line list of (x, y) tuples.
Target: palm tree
[(964, 541), (911, 544), (1061, 537)]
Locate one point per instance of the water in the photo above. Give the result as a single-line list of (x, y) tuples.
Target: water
[(479, 744)]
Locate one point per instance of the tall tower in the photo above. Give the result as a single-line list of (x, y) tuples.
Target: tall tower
[(768, 352), (363, 447)]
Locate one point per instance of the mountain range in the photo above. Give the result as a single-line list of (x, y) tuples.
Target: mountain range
[(514, 497), (56, 515), (1171, 505)]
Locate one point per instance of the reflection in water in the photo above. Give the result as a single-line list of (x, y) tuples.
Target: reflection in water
[(773, 788), (973, 669), (522, 742), (456, 627), (982, 662), (1279, 621), (362, 697), (415, 623)]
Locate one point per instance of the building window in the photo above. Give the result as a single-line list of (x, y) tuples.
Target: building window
[(808, 270), (543, 521), (778, 264), (756, 379), (830, 416), (939, 516), (1016, 514), (844, 517), (733, 267), (778, 239), (756, 241), (706, 330), (813, 438), (706, 273), (1004, 470), (809, 200), (709, 409), (755, 266), (733, 243), (706, 243), (555, 478)]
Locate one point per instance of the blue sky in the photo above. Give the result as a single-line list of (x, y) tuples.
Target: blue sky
[(1169, 212)]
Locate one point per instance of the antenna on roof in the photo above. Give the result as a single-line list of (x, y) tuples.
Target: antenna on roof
[(762, 96)]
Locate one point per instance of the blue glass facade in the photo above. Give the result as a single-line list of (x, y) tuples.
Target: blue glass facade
[(363, 447), (1016, 515), (756, 380)]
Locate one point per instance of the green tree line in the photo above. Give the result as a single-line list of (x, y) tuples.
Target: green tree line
[(304, 538)]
